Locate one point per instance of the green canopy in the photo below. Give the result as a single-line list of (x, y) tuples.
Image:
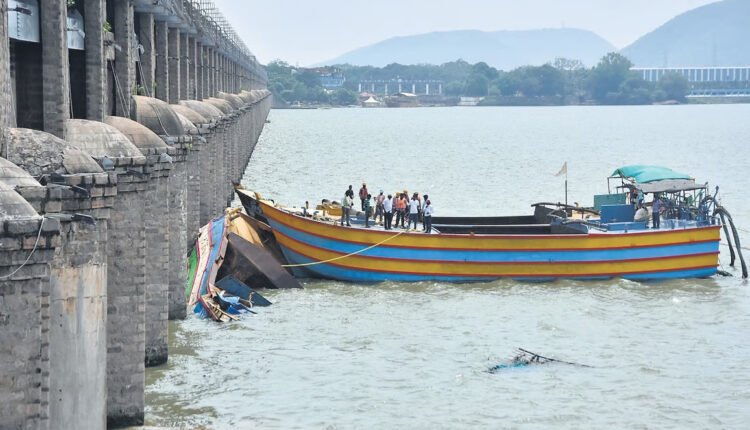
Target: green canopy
[(645, 174)]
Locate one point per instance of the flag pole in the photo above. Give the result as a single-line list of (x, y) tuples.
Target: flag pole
[(565, 170)]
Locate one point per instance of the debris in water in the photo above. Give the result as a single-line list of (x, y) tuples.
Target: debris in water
[(526, 358)]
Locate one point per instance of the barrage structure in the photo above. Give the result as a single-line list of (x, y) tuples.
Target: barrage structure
[(124, 123)]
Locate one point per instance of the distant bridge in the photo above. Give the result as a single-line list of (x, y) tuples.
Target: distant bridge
[(386, 87)]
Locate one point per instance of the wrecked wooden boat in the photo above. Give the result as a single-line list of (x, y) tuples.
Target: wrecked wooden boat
[(556, 241), (229, 261)]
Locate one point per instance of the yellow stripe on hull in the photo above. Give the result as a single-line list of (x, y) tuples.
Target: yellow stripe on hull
[(505, 269)]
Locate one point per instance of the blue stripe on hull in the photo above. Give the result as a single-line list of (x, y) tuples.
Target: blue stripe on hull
[(681, 274), (330, 271), (499, 256)]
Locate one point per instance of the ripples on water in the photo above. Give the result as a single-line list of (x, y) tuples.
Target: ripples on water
[(336, 355)]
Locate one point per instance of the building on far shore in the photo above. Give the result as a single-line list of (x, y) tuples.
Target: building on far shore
[(705, 82), (371, 102), (331, 78), (402, 100), (697, 74)]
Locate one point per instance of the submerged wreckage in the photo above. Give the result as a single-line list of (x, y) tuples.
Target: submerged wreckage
[(232, 252), (524, 358)]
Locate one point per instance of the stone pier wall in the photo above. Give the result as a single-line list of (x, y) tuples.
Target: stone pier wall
[(126, 305), (97, 214), (177, 222), (24, 319), (158, 237)]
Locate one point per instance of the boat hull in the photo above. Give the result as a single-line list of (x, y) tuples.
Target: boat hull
[(661, 254)]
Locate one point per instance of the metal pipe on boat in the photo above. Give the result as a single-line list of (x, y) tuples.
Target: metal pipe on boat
[(729, 238), (720, 209)]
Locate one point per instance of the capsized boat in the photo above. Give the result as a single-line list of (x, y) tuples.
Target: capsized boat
[(232, 254), (556, 241)]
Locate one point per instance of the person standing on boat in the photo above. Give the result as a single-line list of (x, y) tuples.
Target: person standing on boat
[(379, 208), (396, 205), (366, 208), (363, 194), (401, 207), (421, 211), (428, 210), (656, 208), (413, 211), (388, 212), (419, 206), (346, 207)]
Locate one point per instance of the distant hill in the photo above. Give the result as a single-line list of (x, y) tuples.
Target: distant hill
[(502, 49), (716, 34)]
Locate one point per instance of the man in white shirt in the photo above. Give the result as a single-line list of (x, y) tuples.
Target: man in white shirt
[(413, 211), (346, 206), (378, 218), (388, 208), (428, 210)]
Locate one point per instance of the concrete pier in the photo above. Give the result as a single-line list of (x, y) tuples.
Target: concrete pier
[(77, 275), (103, 193)]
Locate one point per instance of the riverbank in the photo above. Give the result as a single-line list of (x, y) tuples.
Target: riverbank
[(526, 101)]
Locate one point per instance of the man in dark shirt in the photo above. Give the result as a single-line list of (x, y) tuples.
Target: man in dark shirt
[(363, 194), (656, 208), (366, 208)]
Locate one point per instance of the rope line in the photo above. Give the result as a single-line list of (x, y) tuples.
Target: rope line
[(119, 89), (341, 257), (143, 79), (38, 235)]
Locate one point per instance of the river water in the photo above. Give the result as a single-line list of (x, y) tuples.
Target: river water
[(397, 355)]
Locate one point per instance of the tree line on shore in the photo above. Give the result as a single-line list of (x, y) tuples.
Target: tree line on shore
[(563, 81)]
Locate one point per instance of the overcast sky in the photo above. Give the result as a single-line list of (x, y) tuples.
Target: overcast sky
[(307, 31)]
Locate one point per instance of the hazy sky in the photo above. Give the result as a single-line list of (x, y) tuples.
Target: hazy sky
[(308, 31)]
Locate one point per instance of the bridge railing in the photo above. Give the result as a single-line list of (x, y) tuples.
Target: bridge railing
[(214, 27)]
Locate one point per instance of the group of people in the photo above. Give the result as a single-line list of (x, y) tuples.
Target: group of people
[(386, 207), (641, 214)]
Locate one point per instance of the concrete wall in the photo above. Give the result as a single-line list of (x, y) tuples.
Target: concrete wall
[(177, 224), (6, 119), (173, 47), (124, 58), (103, 296), (148, 57), (96, 84), (126, 299), (24, 323), (78, 305), (157, 259), (81, 320), (56, 81), (161, 37)]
